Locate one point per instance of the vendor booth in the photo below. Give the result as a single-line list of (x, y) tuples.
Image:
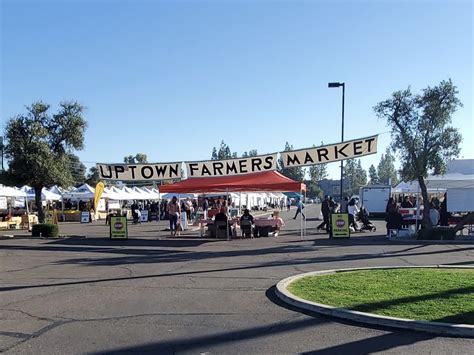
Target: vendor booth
[(258, 182)]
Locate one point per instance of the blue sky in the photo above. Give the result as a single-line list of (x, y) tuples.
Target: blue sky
[(171, 79)]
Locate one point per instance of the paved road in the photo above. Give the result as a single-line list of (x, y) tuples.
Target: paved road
[(160, 295)]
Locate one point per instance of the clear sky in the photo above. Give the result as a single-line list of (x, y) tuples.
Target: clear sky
[(171, 79)]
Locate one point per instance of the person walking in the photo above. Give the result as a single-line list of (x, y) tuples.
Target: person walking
[(299, 209), (288, 204), (353, 211)]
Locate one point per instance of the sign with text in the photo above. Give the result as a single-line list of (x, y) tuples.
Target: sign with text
[(228, 167), (330, 153), (144, 216), (340, 225), (118, 227), (139, 172), (85, 217)]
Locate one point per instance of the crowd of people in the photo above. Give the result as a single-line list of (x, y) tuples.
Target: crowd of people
[(439, 214)]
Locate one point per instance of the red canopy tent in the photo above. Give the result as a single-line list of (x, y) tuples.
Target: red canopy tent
[(265, 181)]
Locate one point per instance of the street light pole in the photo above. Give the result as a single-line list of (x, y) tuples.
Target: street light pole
[(336, 85)]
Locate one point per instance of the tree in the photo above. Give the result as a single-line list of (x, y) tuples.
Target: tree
[(374, 178), (78, 170), (422, 133), (251, 153), (386, 172), (93, 176), (223, 152), (356, 175), (296, 173), (39, 145), (138, 158)]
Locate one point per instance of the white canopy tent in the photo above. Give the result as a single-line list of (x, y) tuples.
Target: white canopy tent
[(448, 181), (46, 195), (7, 191), (437, 183), (169, 195)]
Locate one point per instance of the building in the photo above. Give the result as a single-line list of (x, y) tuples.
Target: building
[(333, 187)]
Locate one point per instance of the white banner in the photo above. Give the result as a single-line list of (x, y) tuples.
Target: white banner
[(232, 166), (330, 153), (128, 172)]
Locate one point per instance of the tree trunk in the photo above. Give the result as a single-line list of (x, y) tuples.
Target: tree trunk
[(39, 205), (426, 204)]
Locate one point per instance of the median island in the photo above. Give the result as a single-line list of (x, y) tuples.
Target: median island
[(430, 294)]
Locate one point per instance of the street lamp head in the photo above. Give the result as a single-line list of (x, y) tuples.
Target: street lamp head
[(335, 85)]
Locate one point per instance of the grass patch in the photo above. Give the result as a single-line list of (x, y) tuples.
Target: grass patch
[(442, 295)]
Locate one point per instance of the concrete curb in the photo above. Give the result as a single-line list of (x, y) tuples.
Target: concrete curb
[(459, 330)]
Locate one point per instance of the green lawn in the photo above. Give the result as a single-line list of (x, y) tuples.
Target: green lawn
[(443, 295)]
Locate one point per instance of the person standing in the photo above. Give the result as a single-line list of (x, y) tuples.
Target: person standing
[(288, 204), (205, 207), (174, 212), (325, 210)]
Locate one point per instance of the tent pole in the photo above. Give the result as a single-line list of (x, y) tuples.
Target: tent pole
[(301, 218), (227, 220), (417, 209), (305, 218)]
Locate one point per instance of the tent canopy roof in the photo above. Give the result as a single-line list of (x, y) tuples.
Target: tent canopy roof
[(265, 181)]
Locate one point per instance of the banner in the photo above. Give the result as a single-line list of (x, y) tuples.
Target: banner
[(99, 188), (340, 225), (131, 172), (232, 166), (330, 153)]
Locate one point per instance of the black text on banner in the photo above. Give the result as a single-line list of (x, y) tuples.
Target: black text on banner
[(232, 166), (129, 172), (330, 153)]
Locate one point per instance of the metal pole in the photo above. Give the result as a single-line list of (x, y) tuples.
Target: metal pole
[(342, 135)]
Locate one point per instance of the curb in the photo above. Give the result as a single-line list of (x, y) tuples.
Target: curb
[(439, 328)]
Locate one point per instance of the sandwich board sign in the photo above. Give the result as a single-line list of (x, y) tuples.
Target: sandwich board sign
[(144, 216), (340, 225), (118, 227), (85, 217)]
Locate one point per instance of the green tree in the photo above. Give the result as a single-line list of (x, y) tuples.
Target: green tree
[(138, 158), (356, 175), (78, 169), (374, 178), (422, 133), (224, 152), (251, 153), (39, 144), (296, 173), (93, 176), (386, 169)]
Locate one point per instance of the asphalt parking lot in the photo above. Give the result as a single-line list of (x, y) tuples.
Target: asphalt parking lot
[(156, 294)]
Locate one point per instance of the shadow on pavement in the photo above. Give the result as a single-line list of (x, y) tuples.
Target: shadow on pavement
[(374, 344), (204, 342)]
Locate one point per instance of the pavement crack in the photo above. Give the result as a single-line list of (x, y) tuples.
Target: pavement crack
[(28, 314), (130, 271)]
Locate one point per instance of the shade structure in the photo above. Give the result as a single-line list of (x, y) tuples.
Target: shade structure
[(265, 181), (6, 191)]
